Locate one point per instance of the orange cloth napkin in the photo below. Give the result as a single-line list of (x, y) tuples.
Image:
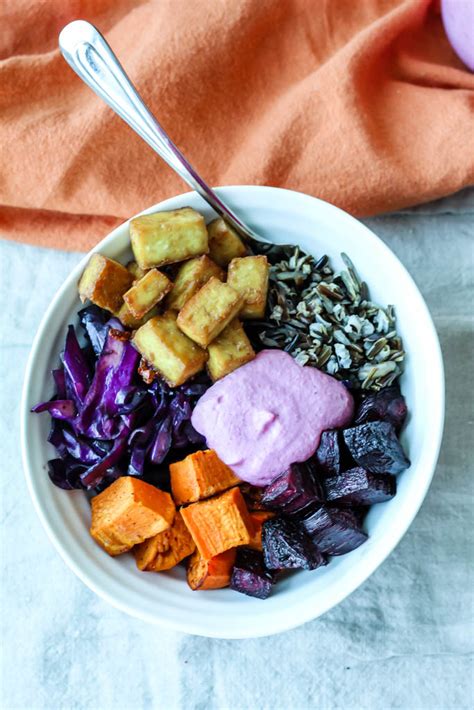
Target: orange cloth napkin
[(360, 102)]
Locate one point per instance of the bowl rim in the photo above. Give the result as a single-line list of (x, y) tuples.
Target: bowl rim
[(359, 576)]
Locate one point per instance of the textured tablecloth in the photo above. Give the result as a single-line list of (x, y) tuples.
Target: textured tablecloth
[(402, 640)]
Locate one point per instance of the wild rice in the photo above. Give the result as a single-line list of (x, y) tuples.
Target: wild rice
[(327, 320)]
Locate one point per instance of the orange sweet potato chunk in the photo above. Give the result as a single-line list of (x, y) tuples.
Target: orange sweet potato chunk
[(167, 549), (210, 574), (128, 512), (219, 523), (200, 475), (258, 517)]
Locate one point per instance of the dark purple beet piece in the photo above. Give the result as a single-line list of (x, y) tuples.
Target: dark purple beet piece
[(387, 405), (287, 546), (293, 491), (334, 531), (253, 496), (375, 447), (328, 456), (249, 575), (321, 518), (360, 487)]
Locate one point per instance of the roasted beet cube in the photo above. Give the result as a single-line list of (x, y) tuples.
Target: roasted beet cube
[(360, 487), (287, 546), (375, 447), (387, 405), (358, 511), (253, 496), (293, 491), (321, 518), (249, 575), (329, 456), (334, 531)]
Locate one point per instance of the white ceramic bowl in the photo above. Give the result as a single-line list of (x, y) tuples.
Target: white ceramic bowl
[(165, 599)]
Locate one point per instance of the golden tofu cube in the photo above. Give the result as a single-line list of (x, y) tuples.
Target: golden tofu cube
[(167, 237), (229, 350), (249, 277), (104, 282), (127, 318), (168, 350), (147, 292), (224, 243), (209, 311), (135, 270), (192, 276)]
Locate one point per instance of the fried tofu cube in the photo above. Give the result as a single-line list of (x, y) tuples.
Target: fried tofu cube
[(200, 475), (135, 270), (209, 311), (220, 523), (128, 512), (210, 574), (104, 282), (165, 347), (167, 549), (168, 237), (147, 292), (192, 276), (224, 243), (230, 350), (249, 276), (128, 319)]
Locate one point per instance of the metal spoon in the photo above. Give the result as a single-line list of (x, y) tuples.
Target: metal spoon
[(87, 52)]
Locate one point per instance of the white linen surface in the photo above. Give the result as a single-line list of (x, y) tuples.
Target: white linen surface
[(402, 640)]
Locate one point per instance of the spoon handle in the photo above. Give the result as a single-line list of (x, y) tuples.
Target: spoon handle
[(87, 52)]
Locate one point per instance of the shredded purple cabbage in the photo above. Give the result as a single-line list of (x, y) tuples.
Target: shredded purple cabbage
[(77, 374), (58, 409), (105, 421)]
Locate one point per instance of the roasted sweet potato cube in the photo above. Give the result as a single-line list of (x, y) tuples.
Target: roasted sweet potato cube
[(192, 276), (128, 319), (128, 512), (104, 282), (219, 523), (224, 243), (249, 277), (210, 574), (167, 549), (258, 518), (168, 237), (147, 292), (135, 270), (200, 475), (168, 350), (229, 350), (209, 311)]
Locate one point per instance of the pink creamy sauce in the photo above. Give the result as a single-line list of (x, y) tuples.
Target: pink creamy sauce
[(269, 414)]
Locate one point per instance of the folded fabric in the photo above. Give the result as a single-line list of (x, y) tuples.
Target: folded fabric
[(362, 103)]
